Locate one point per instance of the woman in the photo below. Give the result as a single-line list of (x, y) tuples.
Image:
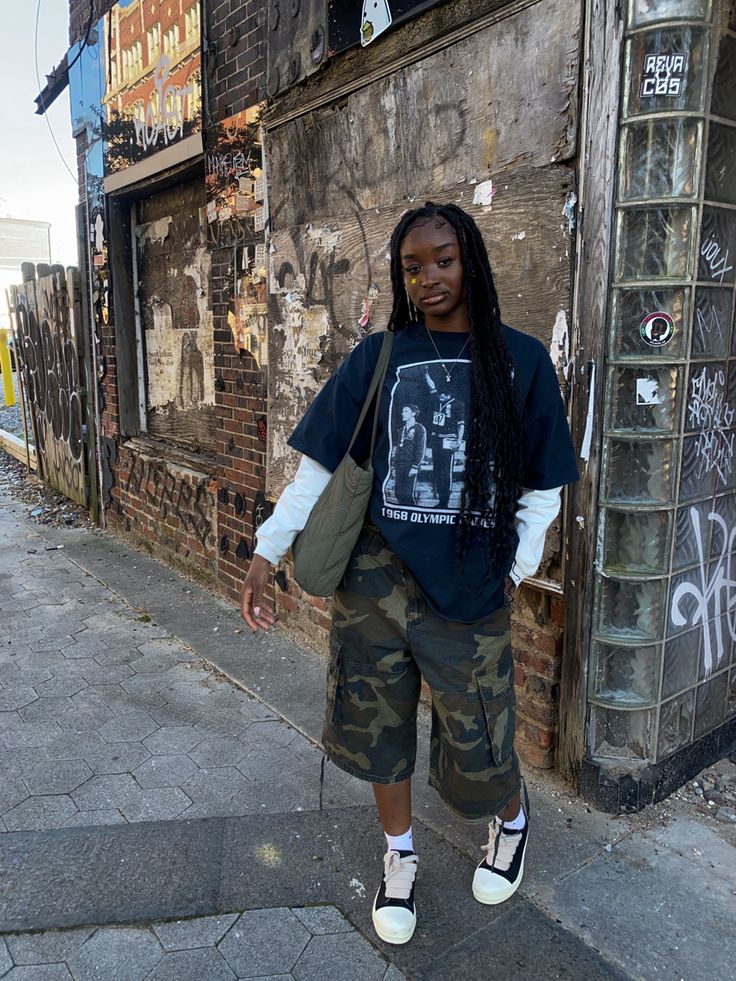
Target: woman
[(423, 595)]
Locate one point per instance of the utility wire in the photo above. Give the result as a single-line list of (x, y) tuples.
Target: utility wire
[(38, 82)]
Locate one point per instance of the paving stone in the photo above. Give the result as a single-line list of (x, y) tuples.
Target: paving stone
[(39, 972), (31, 735), (165, 771), (192, 965), (5, 961), (126, 703), (55, 777), (346, 956), (140, 682), (218, 751), (171, 740), (122, 655), (157, 804), (8, 720), (46, 947), (322, 919), (46, 709), (202, 931), (87, 645), (177, 715), (186, 693), (215, 783), (74, 745), (28, 676), (16, 697), (12, 791), (237, 807), (265, 941), (393, 974), (97, 674), (158, 664), (125, 954), (220, 725), (97, 697), (39, 813), (62, 685), (85, 720), (129, 729), (117, 757), (14, 761), (112, 790), (97, 818)]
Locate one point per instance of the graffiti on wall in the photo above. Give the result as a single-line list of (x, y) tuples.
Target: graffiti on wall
[(234, 182), (173, 493), (48, 338), (322, 283), (710, 413), (710, 600)]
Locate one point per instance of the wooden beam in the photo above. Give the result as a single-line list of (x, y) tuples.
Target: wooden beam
[(17, 448), (604, 29)]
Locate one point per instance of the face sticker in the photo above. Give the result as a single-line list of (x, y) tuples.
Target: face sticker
[(375, 19), (657, 329)]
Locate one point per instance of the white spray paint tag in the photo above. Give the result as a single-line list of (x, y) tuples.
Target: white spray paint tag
[(375, 19)]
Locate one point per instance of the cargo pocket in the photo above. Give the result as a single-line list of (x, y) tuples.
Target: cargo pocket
[(499, 707), (334, 680)]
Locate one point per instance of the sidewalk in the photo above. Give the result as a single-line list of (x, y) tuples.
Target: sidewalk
[(159, 791)]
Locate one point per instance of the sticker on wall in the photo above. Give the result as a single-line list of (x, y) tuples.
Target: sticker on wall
[(242, 551), (262, 427), (376, 18), (663, 74), (262, 509), (647, 392), (657, 329)]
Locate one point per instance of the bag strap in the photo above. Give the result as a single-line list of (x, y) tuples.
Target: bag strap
[(379, 375)]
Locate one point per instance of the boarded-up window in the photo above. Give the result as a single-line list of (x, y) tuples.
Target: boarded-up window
[(173, 273)]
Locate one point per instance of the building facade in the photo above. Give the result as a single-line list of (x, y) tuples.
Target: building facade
[(237, 198)]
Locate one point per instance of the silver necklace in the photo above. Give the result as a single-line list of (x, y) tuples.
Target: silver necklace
[(448, 371)]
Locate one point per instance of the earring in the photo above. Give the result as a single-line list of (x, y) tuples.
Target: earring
[(413, 312)]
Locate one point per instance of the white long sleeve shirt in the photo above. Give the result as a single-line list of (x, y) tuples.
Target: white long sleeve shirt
[(537, 510)]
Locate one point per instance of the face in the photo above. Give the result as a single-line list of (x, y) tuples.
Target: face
[(433, 274), (406, 414)]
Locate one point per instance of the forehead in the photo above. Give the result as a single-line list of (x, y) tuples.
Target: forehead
[(427, 236)]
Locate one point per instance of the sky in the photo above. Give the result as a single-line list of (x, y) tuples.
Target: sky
[(34, 183)]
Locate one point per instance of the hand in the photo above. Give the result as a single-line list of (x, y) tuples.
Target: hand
[(255, 614)]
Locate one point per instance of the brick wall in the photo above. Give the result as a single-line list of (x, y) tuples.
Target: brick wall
[(79, 16), (236, 62)]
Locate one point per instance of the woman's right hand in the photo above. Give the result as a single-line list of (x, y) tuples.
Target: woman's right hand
[(255, 614)]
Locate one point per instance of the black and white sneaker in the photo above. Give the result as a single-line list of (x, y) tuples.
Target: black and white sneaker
[(394, 913), (499, 874)]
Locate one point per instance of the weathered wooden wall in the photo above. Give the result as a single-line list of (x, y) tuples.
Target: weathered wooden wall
[(498, 105)]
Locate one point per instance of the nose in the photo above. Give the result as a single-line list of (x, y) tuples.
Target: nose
[(429, 276)]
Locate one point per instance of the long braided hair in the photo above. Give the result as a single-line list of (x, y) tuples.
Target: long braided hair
[(491, 490)]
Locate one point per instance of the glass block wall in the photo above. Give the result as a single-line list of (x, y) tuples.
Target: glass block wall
[(663, 670)]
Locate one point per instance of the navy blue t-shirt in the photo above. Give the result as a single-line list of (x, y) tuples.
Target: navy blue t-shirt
[(419, 457)]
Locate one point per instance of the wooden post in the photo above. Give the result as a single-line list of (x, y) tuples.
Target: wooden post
[(598, 147), (21, 381)]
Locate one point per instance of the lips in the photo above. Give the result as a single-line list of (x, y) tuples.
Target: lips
[(432, 298)]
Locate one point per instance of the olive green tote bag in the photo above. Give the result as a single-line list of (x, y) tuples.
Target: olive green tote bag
[(322, 550)]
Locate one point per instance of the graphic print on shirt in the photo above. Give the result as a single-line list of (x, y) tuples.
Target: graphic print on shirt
[(427, 424)]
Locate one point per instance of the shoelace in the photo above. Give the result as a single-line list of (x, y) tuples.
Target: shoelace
[(399, 874), (503, 846)]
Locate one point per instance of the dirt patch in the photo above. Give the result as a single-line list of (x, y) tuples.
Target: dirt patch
[(43, 504)]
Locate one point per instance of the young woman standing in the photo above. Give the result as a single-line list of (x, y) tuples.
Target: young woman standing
[(423, 595)]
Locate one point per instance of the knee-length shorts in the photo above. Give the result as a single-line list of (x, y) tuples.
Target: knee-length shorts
[(385, 638)]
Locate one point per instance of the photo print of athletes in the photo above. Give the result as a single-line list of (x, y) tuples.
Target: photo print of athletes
[(427, 437)]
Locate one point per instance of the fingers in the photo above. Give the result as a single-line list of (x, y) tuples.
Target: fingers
[(254, 612)]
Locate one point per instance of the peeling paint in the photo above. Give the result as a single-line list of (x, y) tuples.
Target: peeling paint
[(484, 194), (559, 348), (569, 211), (519, 237), (324, 238), (155, 231), (588, 434)]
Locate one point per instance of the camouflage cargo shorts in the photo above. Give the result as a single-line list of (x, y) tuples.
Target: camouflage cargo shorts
[(384, 640)]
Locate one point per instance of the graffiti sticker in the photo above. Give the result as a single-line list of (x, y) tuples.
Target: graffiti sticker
[(375, 20), (657, 329), (663, 74)]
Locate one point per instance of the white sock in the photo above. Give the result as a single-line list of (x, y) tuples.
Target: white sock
[(519, 822), (400, 843)]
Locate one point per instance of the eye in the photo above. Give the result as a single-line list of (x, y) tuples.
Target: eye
[(411, 270), (444, 263)]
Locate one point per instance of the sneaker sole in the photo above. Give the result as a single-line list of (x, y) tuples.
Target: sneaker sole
[(395, 938), (499, 897)]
